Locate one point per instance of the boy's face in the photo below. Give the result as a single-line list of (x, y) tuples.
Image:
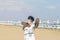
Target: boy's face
[(29, 21)]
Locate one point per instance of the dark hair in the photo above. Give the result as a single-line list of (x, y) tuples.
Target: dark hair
[(31, 17)]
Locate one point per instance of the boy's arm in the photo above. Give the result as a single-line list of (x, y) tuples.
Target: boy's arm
[(25, 24), (37, 22)]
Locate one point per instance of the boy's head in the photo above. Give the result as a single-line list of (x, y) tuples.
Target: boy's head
[(30, 19)]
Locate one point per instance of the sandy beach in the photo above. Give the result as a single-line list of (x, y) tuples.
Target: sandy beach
[(16, 33)]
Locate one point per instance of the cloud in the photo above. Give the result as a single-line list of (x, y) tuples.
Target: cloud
[(15, 5), (11, 5), (51, 7), (43, 1)]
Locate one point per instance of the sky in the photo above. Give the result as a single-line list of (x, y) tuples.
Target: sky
[(21, 9)]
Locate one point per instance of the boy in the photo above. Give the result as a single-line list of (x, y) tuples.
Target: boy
[(28, 28)]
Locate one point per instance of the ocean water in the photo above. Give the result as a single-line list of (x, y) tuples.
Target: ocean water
[(43, 24)]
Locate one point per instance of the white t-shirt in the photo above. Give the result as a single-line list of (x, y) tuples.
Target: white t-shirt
[(29, 29)]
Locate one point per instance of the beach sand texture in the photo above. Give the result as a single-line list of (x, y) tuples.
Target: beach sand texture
[(16, 33)]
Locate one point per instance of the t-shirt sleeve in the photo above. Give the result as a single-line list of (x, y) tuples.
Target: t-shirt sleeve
[(32, 26)]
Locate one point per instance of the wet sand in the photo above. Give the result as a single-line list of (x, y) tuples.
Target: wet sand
[(16, 33)]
